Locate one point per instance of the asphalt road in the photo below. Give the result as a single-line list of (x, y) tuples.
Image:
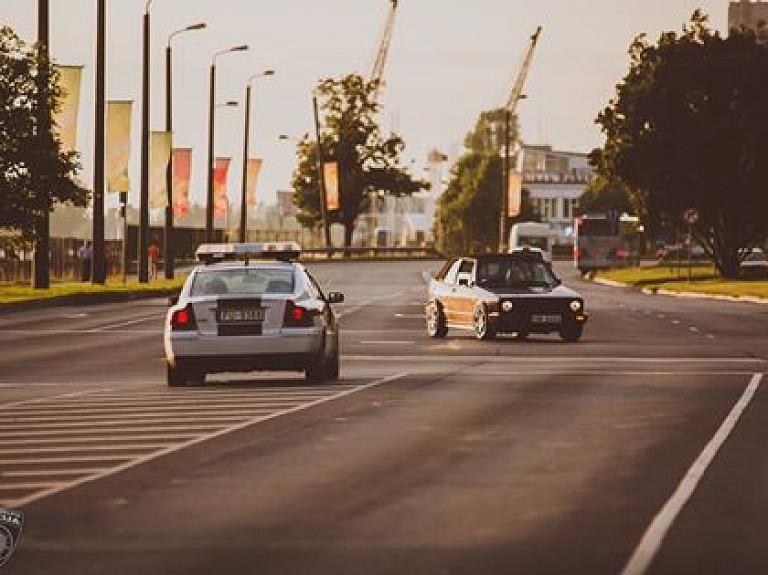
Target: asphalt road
[(640, 449)]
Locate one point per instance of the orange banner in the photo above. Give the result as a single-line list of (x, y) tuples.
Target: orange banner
[(220, 196), (252, 175), (182, 172), (331, 175), (515, 194)]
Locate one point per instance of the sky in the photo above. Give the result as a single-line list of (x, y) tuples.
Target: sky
[(449, 60)]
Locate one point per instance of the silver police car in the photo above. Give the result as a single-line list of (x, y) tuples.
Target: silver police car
[(250, 307)]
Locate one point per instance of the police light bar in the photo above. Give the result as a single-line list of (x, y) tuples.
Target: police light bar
[(282, 251)]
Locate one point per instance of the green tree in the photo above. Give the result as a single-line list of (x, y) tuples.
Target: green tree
[(368, 162), (686, 129), (35, 173), (470, 208)]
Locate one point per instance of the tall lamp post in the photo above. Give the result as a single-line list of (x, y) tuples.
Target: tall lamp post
[(143, 243), (168, 254), (41, 274), (211, 133), (321, 174), (246, 138)]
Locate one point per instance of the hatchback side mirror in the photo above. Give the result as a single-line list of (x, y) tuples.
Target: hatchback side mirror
[(335, 297)]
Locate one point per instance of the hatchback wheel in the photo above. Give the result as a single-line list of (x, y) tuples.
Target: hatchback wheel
[(572, 332), (436, 321), (484, 329)]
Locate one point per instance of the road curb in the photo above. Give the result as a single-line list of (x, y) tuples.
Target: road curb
[(689, 295), (82, 299)]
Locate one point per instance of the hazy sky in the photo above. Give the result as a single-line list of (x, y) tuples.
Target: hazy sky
[(449, 60)]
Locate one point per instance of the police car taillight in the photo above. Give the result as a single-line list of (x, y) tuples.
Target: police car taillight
[(184, 319), (296, 316)]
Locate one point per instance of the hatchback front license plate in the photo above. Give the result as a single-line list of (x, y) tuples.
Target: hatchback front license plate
[(240, 315), (544, 318)]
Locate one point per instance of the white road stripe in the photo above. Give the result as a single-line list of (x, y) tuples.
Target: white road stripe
[(51, 472), (83, 448), (389, 342), (654, 536), (162, 415), (42, 399), (155, 316), (35, 485), (61, 426), (443, 359), (107, 429), (130, 462), (100, 439)]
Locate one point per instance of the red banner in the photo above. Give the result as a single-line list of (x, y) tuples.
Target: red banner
[(182, 172), (220, 197)]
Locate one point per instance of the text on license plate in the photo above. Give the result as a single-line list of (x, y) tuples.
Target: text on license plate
[(546, 318), (237, 315)]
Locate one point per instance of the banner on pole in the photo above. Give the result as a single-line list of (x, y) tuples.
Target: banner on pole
[(159, 156), (515, 194), (252, 176), (182, 173), (220, 196), (66, 118), (331, 176), (118, 145)]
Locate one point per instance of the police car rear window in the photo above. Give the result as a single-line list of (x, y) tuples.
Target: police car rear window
[(245, 281)]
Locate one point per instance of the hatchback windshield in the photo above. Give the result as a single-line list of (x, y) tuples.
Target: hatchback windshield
[(514, 272), (250, 281)]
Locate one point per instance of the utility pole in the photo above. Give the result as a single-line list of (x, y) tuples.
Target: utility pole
[(321, 175), (41, 264), (99, 271)]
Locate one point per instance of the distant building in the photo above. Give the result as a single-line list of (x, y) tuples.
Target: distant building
[(748, 14), (555, 181)]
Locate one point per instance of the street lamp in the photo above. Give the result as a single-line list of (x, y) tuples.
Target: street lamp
[(211, 132), (168, 249), (243, 196), (503, 216), (321, 174), (143, 244)]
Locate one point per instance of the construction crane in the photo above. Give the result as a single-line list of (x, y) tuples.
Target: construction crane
[(517, 89), (377, 73), (515, 95)]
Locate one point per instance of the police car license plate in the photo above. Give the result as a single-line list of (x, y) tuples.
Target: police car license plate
[(546, 318), (238, 315)]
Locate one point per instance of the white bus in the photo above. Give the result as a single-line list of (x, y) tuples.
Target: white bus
[(603, 243), (532, 235)]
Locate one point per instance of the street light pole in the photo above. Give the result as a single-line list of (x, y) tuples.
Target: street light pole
[(168, 254), (246, 138), (321, 175), (211, 132), (505, 184), (143, 239), (41, 274), (99, 271)]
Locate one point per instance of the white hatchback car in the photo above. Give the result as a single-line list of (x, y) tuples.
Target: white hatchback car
[(250, 307)]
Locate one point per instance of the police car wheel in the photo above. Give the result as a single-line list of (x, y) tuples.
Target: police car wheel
[(316, 369), (175, 375), (484, 329)]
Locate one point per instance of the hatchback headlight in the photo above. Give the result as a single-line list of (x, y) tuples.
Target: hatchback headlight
[(575, 305), (507, 305)]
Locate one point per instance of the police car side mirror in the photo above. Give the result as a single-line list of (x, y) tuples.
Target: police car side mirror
[(335, 297)]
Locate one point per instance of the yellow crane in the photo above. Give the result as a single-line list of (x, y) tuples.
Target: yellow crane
[(515, 95), (377, 73)]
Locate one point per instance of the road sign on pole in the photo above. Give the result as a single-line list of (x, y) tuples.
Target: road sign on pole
[(691, 216)]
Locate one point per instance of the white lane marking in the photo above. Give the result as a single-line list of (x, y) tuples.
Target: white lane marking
[(75, 459), (134, 462), (154, 316), (676, 321), (171, 436), (410, 315), (618, 373), (48, 472), (654, 536), (31, 485), (100, 331), (83, 448), (390, 342), (693, 329), (109, 430), (442, 359), (46, 398), (158, 415)]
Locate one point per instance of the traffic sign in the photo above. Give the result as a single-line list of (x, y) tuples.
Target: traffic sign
[(691, 216)]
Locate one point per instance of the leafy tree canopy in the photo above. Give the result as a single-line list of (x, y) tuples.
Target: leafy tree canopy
[(368, 162), (686, 129), (34, 171), (470, 208)]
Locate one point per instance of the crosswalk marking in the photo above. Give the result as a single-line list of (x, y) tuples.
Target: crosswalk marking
[(48, 445)]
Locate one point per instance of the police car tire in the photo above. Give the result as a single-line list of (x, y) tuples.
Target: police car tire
[(333, 368), (316, 370), (175, 375)]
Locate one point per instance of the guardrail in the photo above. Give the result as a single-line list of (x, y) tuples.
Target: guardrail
[(372, 253)]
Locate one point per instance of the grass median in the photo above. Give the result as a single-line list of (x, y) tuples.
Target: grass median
[(20, 293), (698, 279)]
